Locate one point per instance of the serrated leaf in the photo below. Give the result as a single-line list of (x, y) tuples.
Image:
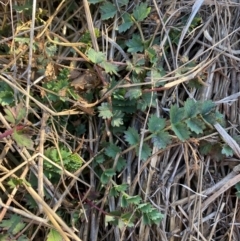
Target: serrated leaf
[(23, 140), (105, 111), (141, 12), (152, 55), (9, 116), (145, 152), (120, 164), (181, 131), (131, 136), (134, 199), (126, 24), (135, 44), (155, 216), (191, 108), (6, 95), (145, 101), (108, 10), (156, 124), (21, 113), (227, 151), (124, 202), (54, 235), (176, 114), (146, 219), (207, 107), (106, 175), (96, 57), (196, 125), (100, 159), (117, 119), (205, 147), (121, 188), (112, 150), (133, 93), (14, 224), (51, 50), (109, 67), (210, 118), (145, 207), (161, 140)]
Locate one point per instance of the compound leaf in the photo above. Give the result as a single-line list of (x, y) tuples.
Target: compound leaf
[(109, 67), (117, 119), (22, 140)]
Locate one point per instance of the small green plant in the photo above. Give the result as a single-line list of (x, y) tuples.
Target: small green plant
[(66, 159), (12, 229)]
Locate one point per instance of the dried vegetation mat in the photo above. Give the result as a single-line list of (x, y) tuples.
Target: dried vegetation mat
[(119, 120)]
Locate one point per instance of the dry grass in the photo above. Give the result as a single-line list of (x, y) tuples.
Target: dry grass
[(195, 193)]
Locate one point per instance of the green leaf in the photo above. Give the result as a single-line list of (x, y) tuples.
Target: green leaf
[(95, 1), (135, 44), (127, 23), (109, 67), (227, 151), (120, 164), (152, 55), (156, 124), (133, 93), (105, 111), (191, 108), (161, 139), (124, 202), (23, 140), (117, 119), (134, 200), (205, 147), (210, 118), (176, 114), (100, 159), (106, 175), (145, 151), (6, 94), (128, 219), (121, 188), (21, 113), (122, 3), (51, 50), (155, 216), (54, 235), (9, 116), (141, 12), (196, 125), (145, 101), (14, 224), (108, 10), (112, 150), (96, 57), (145, 207), (131, 136), (207, 107), (181, 131)]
